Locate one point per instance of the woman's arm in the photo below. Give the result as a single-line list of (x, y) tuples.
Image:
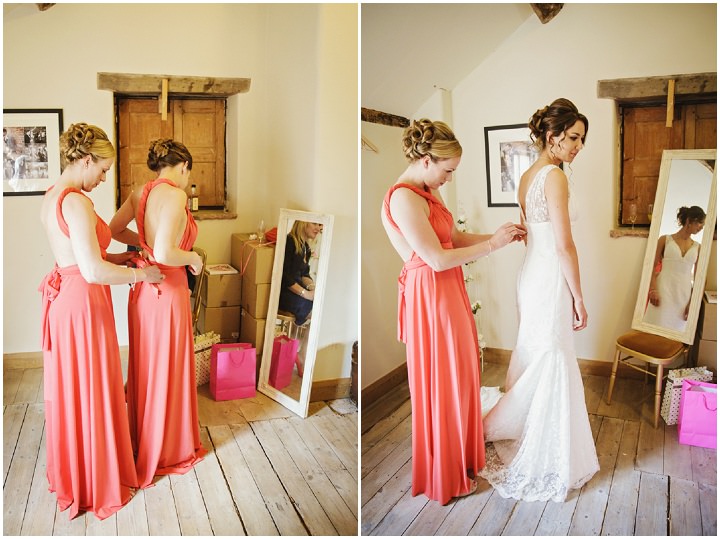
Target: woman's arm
[(410, 212), (653, 294), (124, 216), (171, 219), (556, 193), (81, 220)]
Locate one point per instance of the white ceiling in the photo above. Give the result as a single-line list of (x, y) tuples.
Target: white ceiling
[(407, 50)]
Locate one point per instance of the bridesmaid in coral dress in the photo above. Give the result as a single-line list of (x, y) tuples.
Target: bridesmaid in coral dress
[(161, 391), (435, 318), (89, 456)]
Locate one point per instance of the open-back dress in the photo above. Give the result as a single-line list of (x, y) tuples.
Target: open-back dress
[(542, 446), (437, 326), (161, 391), (89, 456)]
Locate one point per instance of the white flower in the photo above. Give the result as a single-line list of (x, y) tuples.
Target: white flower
[(476, 306), (469, 278)]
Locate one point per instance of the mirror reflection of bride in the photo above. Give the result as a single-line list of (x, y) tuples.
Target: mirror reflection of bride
[(674, 272)]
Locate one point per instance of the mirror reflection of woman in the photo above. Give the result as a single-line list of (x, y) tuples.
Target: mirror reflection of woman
[(298, 287), (674, 272)]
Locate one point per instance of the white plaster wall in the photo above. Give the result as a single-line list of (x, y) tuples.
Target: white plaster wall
[(536, 64), (280, 47), (380, 264)]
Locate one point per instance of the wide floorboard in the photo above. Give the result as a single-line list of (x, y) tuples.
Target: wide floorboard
[(648, 483), (267, 472)]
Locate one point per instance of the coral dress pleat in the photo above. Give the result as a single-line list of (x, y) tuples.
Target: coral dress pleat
[(89, 455), (161, 391), (437, 326)]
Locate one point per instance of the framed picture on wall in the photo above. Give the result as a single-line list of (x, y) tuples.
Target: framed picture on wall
[(508, 153), (31, 150)]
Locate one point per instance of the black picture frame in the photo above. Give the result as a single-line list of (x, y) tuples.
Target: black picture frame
[(509, 152), (31, 150)]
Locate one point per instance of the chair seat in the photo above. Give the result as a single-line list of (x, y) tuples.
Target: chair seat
[(653, 346)]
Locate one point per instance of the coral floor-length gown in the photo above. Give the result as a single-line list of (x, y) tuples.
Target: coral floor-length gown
[(437, 326), (161, 391), (89, 455)]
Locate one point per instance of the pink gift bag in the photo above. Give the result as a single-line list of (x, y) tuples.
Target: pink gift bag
[(697, 420), (283, 360), (232, 371)]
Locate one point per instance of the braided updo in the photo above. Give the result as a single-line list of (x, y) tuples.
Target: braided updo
[(555, 119), (81, 140), (425, 137), (692, 214), (166, 152)]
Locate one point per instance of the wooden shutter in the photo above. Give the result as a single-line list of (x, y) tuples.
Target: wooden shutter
[(197, 123), (645, 136)]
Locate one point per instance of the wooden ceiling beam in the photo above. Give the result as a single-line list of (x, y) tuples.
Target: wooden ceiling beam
[(546, 12), (383, 118)]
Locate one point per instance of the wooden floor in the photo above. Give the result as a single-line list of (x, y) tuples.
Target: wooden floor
[(267, 472), (648, 484)]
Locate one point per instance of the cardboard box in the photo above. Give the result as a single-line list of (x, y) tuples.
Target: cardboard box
[(221, 289), (225, 321), (707, 355), (253, 260), (255, 298), (252, 330), (708, 321)]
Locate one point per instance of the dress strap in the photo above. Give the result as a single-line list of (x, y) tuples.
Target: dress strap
[(140, 218), (58, 208), (423, 193)]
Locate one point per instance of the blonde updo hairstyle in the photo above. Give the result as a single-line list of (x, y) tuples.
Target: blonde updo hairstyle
[(81, 140), (166, 152), (555, 119), (435, 139)]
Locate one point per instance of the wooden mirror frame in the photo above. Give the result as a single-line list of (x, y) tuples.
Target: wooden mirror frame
[(688, 334), (299, 407)]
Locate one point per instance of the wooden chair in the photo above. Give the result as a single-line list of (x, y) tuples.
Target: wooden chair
[(649, 348)]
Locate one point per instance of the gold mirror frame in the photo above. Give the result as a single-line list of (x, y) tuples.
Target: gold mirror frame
[(287, 218), (688, 334)]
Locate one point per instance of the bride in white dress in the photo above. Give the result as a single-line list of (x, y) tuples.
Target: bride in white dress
[(542, 446)]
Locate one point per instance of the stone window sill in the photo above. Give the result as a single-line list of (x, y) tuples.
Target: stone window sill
[(629, 232), (214, 215)]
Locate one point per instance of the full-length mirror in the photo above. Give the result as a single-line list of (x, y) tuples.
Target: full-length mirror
[(679, 245), (299, 275)]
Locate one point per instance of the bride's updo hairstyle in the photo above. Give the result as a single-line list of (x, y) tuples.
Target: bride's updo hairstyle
[(81, 140), (555, 119), (166, 152), (693, 214), (435, 139)]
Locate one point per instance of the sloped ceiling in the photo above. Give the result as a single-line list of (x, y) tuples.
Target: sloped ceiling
[(407, 50)]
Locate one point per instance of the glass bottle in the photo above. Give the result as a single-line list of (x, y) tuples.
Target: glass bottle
[(194, 200)]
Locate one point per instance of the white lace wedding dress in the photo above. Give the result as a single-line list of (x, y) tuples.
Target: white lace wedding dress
[(538, 440)]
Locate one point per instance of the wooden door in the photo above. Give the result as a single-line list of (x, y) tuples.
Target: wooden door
[(197, 123)]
